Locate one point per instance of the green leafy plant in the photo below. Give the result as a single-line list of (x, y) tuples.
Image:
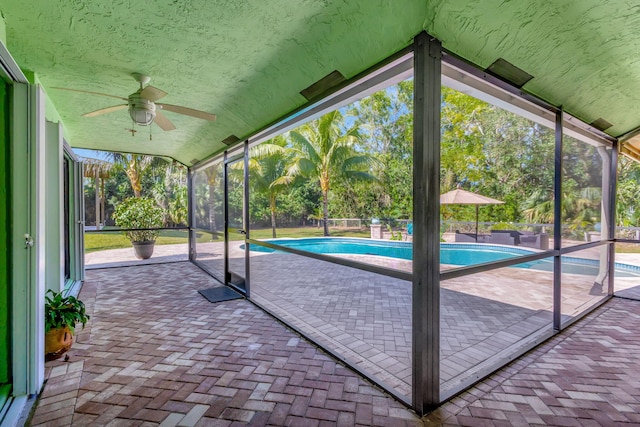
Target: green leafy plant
[(502, 226), (136, 212), (395, 235), (60, 311)]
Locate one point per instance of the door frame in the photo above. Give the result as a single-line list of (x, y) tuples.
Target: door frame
[(28, 223), (26, 214), (76, 221), (238, 153), (230, 157)]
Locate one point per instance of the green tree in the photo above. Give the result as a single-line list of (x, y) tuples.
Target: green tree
[(461, 154), (135, 166), (213, 175), (325, 150), (267, 163), (169, 189), (98, 170), (385, 120), (628, 193)]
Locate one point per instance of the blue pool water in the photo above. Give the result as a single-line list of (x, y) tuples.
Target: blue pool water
[(450, 253)]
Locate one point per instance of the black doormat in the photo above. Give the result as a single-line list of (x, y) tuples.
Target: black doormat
[(220, 294)]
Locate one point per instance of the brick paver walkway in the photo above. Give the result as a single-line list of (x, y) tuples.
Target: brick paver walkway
[(157, 353)]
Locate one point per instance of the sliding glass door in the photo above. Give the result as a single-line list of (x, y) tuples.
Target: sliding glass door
[(5, 364), (218, 219), (235, 231), (72, 219)]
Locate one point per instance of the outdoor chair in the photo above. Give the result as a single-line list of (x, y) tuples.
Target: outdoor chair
[(502, 239), (505, 237), (465, 237), (536, 241)]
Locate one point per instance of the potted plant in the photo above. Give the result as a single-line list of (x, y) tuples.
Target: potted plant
[(60, 317), (138, 212)]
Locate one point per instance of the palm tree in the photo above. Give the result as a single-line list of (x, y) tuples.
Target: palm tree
[(134, 166), (580, 207), (267, 165), (324, 150), (212, 173), (99, 171), (169, 193)]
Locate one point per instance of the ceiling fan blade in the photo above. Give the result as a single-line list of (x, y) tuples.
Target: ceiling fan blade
[(106, 110), (162, 121), (92, 93), (152, 93), (188, 111)]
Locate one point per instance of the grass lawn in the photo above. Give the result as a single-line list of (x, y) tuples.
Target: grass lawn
[(101, 241), (266, 233), (628, 248)]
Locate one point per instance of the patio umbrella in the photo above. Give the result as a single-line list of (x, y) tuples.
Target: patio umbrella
[(464, 197)]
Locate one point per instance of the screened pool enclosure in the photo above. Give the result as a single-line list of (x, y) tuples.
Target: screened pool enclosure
[(420, 325)]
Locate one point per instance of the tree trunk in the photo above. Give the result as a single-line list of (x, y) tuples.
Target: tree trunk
[(212, 215), (272, 206), (103, 212), (325, 212), (97, 185), (133, 173)]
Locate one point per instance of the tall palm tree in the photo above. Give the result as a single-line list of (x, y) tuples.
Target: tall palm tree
[(324, 150), (98, 170), (580, 207), (134, 166), (267, 165), (213, 173)]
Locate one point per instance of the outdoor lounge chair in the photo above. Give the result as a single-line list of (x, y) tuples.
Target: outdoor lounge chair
[(467, 237), (536, 241), (408, 234), (505, 237)]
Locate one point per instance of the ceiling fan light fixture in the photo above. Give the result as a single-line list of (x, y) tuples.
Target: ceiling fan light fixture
[(142, 111), (142, 106)]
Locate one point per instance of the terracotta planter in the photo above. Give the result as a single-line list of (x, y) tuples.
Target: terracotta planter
[(57, 342), (143, 250)]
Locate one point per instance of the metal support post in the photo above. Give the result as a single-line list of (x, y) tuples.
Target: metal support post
[(557, 221), (426, 222), (191, 215), (613, 181), (245, 225), (225, 178)]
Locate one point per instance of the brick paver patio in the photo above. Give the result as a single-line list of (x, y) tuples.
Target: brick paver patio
[(362, 317), (157, 353), (586, 376)]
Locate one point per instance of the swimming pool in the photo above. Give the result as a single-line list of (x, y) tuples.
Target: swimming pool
[(459, 254)]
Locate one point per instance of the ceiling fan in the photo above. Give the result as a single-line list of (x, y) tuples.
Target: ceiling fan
[(143, 107)]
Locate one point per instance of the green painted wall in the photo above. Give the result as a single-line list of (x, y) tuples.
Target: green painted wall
[(4, 255)]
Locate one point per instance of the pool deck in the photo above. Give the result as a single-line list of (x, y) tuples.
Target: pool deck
[(156, 353), (126, 257), (367, 324)]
